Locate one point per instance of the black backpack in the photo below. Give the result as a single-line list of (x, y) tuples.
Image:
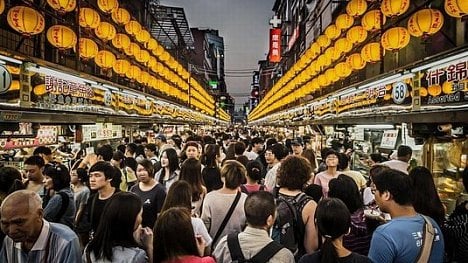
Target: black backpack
[(262, 256), (289, 229)]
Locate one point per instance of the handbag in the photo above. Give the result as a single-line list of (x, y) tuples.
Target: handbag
[(427, 239), (226, 219)]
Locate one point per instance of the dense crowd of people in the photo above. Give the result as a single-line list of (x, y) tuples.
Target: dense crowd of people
[(224, 197)]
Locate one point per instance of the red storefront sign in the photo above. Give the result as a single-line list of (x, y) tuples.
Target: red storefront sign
[(275, 45)]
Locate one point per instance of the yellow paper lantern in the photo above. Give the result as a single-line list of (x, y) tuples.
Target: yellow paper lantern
[(314, 49), (356, 7), (165, 56), (61, 37), (105, 59), (143, 36), (152, 44), (332, 54), (343, 45), (425, 22), (392, 8), (344, 21), (143, 77), (89, 18), (105, 31), (108, 6), (456, 8), (395, 38), (371, 52), (121, 41), (133, 72), (355, 61), (332, 32), (121, 66), (2, 6), (121, 16), (61, 6), (323, 61), (142, 56), (25, 20), (373, 20), (132, 50), (88, 48), (343, 70), (331, 75), (323, 81), (323, 41), (133, 28), (356, 34)]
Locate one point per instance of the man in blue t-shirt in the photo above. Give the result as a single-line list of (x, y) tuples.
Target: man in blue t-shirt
[(400, 240)]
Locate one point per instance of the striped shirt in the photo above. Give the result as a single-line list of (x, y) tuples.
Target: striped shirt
[(56, 243)]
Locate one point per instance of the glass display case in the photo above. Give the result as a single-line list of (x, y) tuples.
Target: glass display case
[(447, 160)]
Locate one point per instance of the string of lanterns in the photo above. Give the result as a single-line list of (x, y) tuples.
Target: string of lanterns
[(153, 65), (315, 66)]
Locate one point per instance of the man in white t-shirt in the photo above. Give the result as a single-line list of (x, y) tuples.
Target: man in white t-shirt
[(401, 162), (257, 147)]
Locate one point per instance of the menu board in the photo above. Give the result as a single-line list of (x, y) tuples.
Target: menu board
[(45, 135)]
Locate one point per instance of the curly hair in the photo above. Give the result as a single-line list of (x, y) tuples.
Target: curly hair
[(294, 172)]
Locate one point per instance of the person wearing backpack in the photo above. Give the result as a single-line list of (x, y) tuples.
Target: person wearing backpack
[(254, 244), (254, 175), (60, 203), (294, 226)]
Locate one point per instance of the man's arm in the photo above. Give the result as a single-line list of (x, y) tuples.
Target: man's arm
[(310, 235)]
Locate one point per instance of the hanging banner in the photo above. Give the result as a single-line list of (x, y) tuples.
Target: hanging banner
[(275, 45)]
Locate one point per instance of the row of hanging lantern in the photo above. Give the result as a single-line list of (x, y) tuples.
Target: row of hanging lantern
[(28, 22), (314, 65)]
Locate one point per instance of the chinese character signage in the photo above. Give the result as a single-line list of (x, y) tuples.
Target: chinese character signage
[(275, 45)]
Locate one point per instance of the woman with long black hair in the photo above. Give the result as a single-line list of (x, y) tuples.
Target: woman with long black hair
[(119, 236), (169, 172)]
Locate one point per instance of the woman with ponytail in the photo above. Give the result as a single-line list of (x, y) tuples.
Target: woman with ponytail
[(333, 221)]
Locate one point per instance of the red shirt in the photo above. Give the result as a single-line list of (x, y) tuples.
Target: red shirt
[(191, 259)]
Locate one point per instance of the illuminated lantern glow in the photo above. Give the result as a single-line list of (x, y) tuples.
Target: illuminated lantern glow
[(89, 18), (88, 48), (323, 81), (343, 45), (355, 61), (143, 36), (108, 6), (158, 51), (425, 22), (332, 32), (395, 38), (315, 49), (331, 75), (61, 6), (373, 20), (25, 20), (332, 54), (323, 41), (456, 8), (121, 66), (121, 41), (105, 31), (356, 7), (323, 61), (371, 52), (61, 37), (142, 56), (165, 56), (343, 70), (356, 34), (152, 44), (133, 72), (392, 8), (132, 50), (133, 28), (143, 78), (344, 21), (2, 6), (121, 16), (105, 59)]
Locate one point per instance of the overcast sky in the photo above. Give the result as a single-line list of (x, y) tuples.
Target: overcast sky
[(244, 26)]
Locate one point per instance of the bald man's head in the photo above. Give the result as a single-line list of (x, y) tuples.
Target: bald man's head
[(21, 216)]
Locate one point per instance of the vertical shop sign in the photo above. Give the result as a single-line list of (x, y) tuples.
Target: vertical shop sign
[(275, 45)]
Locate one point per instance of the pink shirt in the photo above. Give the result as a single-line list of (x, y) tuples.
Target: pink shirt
[(191, 259), (323, 179)]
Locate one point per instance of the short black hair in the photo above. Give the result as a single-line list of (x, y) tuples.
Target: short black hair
[(42, 150), (397, 183), (151, 147), (35, 160), (279, 150), (106, 152), (256, 140), (131, 147), (258, 207), (104, 167), (345, 188), (239, 148), (10, 180), (404, 150)]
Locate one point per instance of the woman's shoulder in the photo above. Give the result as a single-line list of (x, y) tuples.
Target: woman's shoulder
[(128, 254)]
